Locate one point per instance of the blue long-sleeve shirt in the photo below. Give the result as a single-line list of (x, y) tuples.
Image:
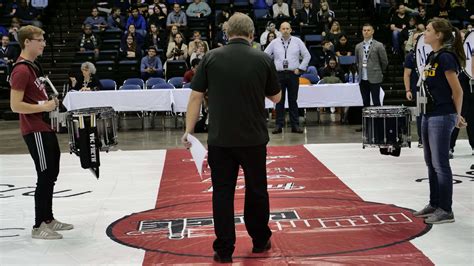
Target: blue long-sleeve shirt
[(295, 48), (148, 62), (139, 22)]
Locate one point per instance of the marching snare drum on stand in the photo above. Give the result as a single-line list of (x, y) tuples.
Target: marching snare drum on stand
[(91, 130), (386, 127)]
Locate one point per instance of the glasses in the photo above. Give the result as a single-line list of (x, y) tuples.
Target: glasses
[(39, 40)]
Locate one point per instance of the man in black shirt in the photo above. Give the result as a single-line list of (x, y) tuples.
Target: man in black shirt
[(397, 23), (237, 79)]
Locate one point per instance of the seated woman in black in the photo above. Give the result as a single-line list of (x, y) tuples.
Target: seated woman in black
[(332, 73), (130, 50), (88, 81)]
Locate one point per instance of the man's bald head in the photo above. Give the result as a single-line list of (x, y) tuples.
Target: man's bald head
[(285, 29)]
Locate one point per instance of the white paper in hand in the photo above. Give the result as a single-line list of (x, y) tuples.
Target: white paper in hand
[(198, 151)]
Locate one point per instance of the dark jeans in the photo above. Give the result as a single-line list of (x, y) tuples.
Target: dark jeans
[(468, 113), (44, 149), (367, 89), (436, 132), (290, 83), (224, 163)]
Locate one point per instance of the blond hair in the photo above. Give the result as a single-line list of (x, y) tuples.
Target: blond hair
[(240, 25), (28, 32)]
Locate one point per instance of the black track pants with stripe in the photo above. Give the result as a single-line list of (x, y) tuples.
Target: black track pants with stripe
[(44, 149)]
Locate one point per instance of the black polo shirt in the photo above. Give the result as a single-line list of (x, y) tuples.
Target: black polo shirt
[(237, 78)]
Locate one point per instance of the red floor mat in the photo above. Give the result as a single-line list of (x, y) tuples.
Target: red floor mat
[(315, 218)]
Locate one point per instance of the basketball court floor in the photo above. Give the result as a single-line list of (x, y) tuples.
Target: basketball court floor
[(332, 202)]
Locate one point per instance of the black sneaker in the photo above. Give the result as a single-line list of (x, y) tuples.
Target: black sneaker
[(425, 212), (440, 216), (297, 130), (267, 246), (222, 259), (277, 130)]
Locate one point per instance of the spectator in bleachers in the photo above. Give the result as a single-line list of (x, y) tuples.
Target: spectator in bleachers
[(422, 17), (177, 50), (271, 27), (155, 37), (192, 45), (334, 32), (173, 31), (89, 41), (321, 58), (397, 23), (3, 7), (222, 38), (11, 8), (280, 10), (162, 5), (223, 16), (198, 9), (8, 54), (270, 37), (156, 16), (410, 42), (124, 5), (332, 72), (325, 15), (200, 51), (188, 75), (131, 30), (115, 20), (460, 12), (307, 16), (130, 50), (88, 81), (441, 9), (3, 31), (295, 6), (137, 20), (97, 22), (343, 47), (176, 17), (13, 30), (151, 65), (28, 14), (407, 31), (261, 4)]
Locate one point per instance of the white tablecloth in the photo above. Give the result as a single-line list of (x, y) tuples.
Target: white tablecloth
[(324, 95), (126, 100)]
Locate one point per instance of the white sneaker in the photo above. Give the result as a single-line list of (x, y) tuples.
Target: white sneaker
[(58, 226), (44, 232)]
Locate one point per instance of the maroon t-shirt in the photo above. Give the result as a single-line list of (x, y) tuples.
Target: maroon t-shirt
[(188, 76), (23, 78)]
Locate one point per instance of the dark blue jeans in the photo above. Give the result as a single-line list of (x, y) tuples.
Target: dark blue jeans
[(289, 81), (436, 134)]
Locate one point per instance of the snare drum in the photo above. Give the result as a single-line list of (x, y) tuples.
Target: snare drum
[(386, 126), (91, 130)]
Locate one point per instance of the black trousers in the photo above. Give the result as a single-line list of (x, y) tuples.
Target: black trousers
[(367, 89), (290, 83), (44, 149), (224, 163), (468, 113)]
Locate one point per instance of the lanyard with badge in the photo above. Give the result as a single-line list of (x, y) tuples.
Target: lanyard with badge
[(285, 61), (366, 53)]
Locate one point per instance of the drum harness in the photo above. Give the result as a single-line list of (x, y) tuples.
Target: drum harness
[(425, 100), (42, 78)]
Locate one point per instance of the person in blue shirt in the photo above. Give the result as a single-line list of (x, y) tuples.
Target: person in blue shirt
[(442, 114), (138, 20), (151, 65), (410, 79)]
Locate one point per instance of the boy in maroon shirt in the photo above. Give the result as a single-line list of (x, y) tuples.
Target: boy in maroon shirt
[(28, 97)]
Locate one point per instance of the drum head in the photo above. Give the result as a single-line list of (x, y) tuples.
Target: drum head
[(422, 51), (385, 111), (469, 49)]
